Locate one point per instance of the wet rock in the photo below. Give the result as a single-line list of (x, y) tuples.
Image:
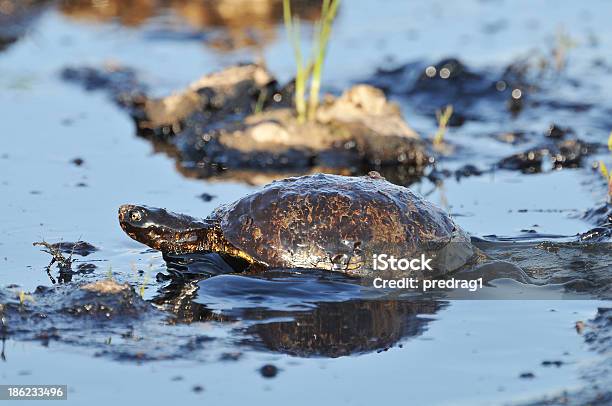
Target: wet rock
[(78, 161), (527, 375), (268, 371), (207, 197), (555, 363)]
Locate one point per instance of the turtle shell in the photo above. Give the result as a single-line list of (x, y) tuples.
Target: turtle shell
[(338, 223)]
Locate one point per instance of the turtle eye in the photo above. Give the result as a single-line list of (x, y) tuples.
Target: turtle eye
[(135, 215)]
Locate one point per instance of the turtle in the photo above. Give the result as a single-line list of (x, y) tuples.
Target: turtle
[(320, 221)]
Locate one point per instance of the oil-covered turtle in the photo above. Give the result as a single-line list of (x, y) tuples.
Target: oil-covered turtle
[(319, 221)]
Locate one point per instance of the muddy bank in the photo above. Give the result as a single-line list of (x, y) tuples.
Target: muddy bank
[(242, 119), (110, 319), (102, 318)]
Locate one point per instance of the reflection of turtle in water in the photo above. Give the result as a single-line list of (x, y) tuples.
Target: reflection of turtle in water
[(327, 329), (337, 329), (319, 221)]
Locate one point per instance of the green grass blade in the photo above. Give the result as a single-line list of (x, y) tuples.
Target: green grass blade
[(443, 117), (322, 35), (603, 169)]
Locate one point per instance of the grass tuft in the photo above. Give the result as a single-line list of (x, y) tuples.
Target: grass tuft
[(322, 35), (608, 177), (563, 44), (603, 169), (309, 71), (443, 117)]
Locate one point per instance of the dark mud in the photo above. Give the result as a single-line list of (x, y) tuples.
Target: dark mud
[(560, 154), (518, 95), (474, 95), (103, 318), (233, 125), (109, 319), (525, 87)]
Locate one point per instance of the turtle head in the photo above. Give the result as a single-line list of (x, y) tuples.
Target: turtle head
[(160, 229)]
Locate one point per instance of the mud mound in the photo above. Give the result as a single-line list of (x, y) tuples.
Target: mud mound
[(103, 317), (241, 119)]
